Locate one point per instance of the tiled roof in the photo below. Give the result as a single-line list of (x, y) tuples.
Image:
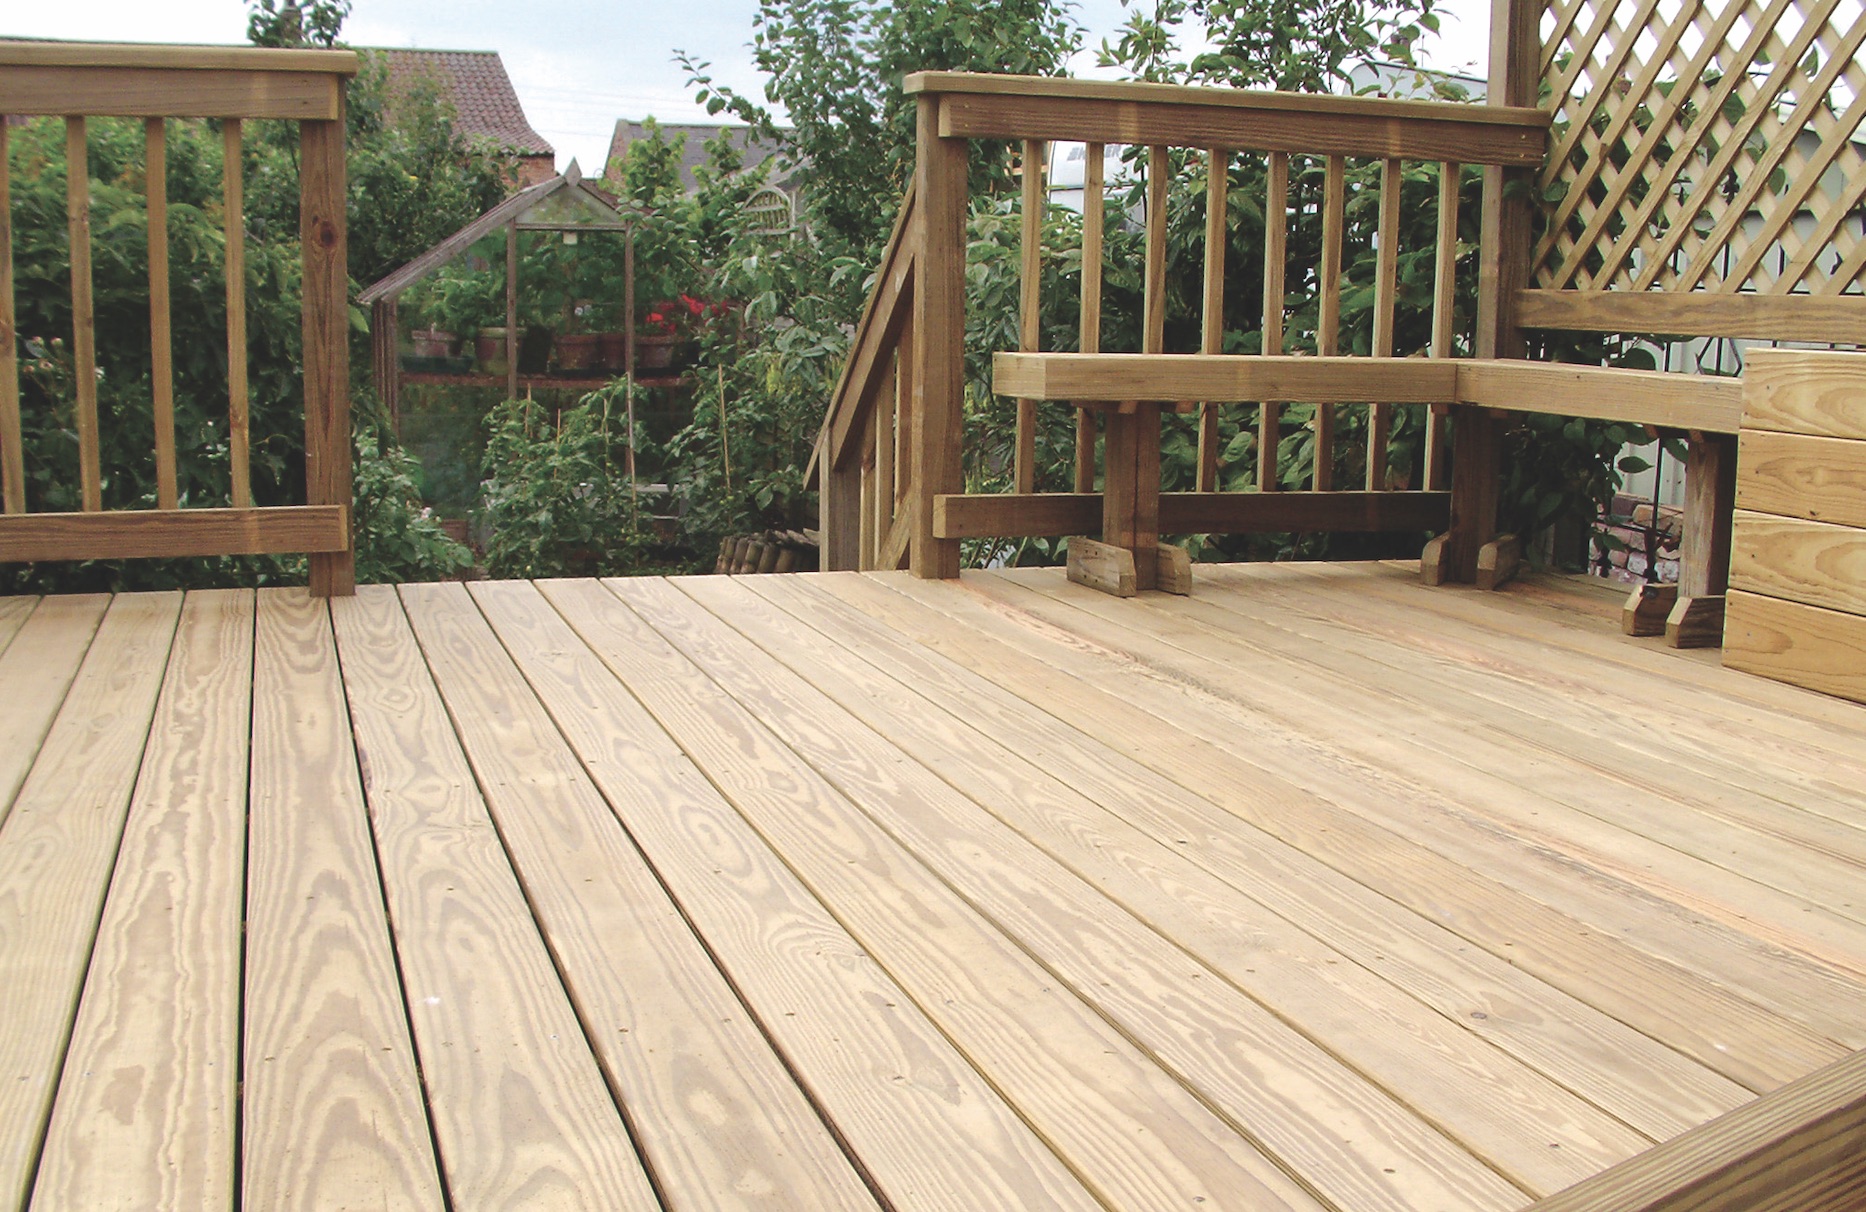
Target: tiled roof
[(484, 101), (692, 139)]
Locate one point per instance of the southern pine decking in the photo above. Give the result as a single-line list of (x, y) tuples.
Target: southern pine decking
[(1317, 889)]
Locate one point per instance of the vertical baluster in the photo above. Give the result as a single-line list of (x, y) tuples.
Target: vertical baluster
[(83, 319), (1212, 322), (233, 193), (1444, 292), (884, 455), (904, 427), (1029, 282), (1093, 216), (12, 449), (161, 351), (1386, 286), (1328, 323), (870, 492), (1153, 332), (1275, 259)]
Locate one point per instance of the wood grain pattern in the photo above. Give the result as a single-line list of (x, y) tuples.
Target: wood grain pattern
[(1799, 561), (939, 337), (155, 92), (1821, 649), (233, 206), (1838, 318), (139, 533), (57, 849), (1802, 1147), (14, 611), (1275, 269), (1289, 973), (176, 58), (331, 1113), (161, 351), (814, 988), (1815, 392), (1114, 378), (1792, 475), (1672, 401), (36, 669), (719, 1121), (1059, 513), (147, 1109), (1134, 1133), (323, 239), (520, 1110)]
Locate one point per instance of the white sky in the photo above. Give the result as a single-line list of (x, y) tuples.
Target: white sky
[(578, 65)]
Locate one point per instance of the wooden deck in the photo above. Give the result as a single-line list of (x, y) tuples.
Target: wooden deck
[(1317, 889)]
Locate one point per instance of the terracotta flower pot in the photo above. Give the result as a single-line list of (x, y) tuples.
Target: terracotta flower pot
[(489, 350), (433, 343), (654, 352), (577, 351)]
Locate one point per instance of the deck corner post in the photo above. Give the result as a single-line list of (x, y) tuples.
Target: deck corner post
[(1696, 621), (322, 198), (938, 337), (1503, 267)]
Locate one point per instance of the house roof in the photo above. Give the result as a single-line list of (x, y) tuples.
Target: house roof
[(485, 104), (692, 139)]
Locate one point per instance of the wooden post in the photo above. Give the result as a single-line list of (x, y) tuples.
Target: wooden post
[(83, 321), (939, 338), (1503, 262), (840, 509), (1696, 620), (1275, 265), (1030, 274), (12, 452), (1212, 323), (1093, 215), (326, 340), (161, 346), (511, 307), (233, 194)]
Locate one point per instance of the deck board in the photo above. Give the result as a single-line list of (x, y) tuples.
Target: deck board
[(57, 850), (1317, 889), (153, 1065)]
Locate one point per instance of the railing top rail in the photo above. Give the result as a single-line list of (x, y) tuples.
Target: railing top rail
[(987, 106), (998, 85), (98, 79), (177, 58)]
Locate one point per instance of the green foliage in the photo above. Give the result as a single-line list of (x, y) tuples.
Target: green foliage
[(556, 497), (397, 538), (289, 23)]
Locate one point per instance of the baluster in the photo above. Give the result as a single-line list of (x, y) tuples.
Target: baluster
[(1275, 262), (1153, 333), (1328, 323), (1212, 322), (1029, 282), (83, 318), (234, 221), (161, 351), (12, 447), (1093, 216), (884, 456), (1386, 286), (1444, 303)]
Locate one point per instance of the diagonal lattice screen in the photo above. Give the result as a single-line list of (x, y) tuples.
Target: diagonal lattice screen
[(1708, 145)]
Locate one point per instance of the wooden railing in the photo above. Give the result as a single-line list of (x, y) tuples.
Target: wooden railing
[(916, 324), (77, 81)]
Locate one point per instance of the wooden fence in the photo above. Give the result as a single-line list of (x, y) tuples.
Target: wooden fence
[(78, 81)]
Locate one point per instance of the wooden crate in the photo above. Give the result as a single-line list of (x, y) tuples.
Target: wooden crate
[(1797, 603)]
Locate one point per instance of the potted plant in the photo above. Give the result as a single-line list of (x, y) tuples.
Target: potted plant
[(656, 335)]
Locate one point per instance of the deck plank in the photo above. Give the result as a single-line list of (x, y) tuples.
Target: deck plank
[(1635, 1078), (13, 613), (1488, 814), (892, 1087), (1297, 1101), (36, 673), (57, 849), (1077, 679), (332, 1114), (1743, 844), (1516, 1121), (1136, 1136), (147, 1111), (717, 1118), (521, 1114)]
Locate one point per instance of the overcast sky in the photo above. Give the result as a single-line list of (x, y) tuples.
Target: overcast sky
[(578, 65)]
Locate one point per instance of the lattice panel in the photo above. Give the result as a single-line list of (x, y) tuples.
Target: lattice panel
[(1710, 145)]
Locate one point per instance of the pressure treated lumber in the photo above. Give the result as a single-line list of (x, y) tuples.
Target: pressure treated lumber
[(1810, 646), (57, 848), (1837, 318), (1811, 562), (1643, 397), (813, 988), (1581, 1048), (331, 1111), (1134, 1133), (36, 670), (1112, 378), (1802, 1147), (1294, 1099), (12, 448), (147, 1111), (519, 1106), (138, 533), (937, 431), (1797, 476), (1819, 393), (145, 92), (1301, 980), (1007, 514), (323, 240)]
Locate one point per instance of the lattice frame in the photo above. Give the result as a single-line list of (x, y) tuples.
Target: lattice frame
[(1704, 145)]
